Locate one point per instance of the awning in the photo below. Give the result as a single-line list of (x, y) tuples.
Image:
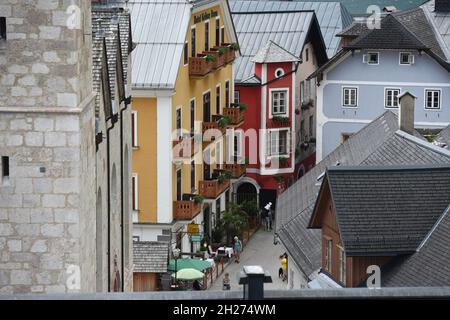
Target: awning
[(187, 263)]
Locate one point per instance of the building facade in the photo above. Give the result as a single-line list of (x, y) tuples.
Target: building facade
[(365, 78), (181, 110)]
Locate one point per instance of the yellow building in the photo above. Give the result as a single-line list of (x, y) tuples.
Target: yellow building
[(182, 84)]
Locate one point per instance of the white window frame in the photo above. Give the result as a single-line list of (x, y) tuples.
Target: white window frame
[(279, 70), (386, 94), (342, 265), (134, 117), (188, 53), (136, 191), (215, 93), (269, 143), (286, 111), (368, 61), (179, 134), (190, 41), (222, 40), (218, 153), (426, 90), (400, 58), (238, 134), (209, 35), (220, 31), (328, 255), (343, 96), (195, 113), (238, 93)]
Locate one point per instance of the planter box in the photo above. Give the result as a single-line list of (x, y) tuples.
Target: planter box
[(185, 149), (185, 210), (211, 189), (212, 126), (219, 61), (236, 115), (199, 66), (230, 54), (238, 170)]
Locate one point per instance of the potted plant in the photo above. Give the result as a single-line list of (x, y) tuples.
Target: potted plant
[(224, 122), (234, 46), (242, 106), (198, 199), (228, 174), (280, 119), (221, 179), (222, 51), (210, 58)]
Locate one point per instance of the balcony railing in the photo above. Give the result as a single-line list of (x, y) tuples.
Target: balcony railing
[(212, 135), (185, 148), (230, 54), (237, 170), (211, 189), (186, 210), (219, 59), (235, 113), (199, 66)]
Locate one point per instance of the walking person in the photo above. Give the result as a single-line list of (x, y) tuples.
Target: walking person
[(284, 266), (266, 214), (237, 248), (226, 282)]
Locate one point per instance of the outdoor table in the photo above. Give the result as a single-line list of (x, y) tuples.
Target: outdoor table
[(227, 250)]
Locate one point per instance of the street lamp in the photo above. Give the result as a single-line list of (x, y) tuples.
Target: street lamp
[(176, 254)]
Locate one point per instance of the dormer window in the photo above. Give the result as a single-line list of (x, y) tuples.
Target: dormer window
[(406, 58), (2, 28), (371, 58)]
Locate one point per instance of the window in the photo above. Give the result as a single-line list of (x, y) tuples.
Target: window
[(178, 124), (179, 190), (342, 266), (279, 73), (193, 176), (237, 97), (5, 168), (391, 98), (186, 53), (192, 111), (134, 129), (279, 102), (433, 99), (193, 44), (134, 185), (207, 36), (311, 126), (2, 28), (278, 143), (218, 154), (302, 91), (371, 58), (350, 97), (222, 34), (328, 249), (308, 90), (207, 107), (217, 32), (227, 94), (218, 99), (237, 145), (406, 58), (307, 54)]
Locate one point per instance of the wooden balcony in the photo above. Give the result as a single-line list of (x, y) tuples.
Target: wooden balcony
[(219, 59), (235, 113), (199, 66), (237, 170), (186, 210), (185, 149), (211, 189), (230, 54), (212, 135)]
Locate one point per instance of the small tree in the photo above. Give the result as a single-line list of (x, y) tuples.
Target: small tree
[(234, 220)]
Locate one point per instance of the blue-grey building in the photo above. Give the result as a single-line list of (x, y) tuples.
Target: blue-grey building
[(408, 51)]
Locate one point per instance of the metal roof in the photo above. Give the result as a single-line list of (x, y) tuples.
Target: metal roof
[(333, 17), (441, 25), (288, 30), (159, 29)]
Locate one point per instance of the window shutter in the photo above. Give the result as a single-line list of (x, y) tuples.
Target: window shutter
[(411, 59), (366, 58)]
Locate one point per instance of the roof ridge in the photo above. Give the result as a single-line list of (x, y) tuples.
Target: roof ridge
[(423, 143), (433, 229), (362, 168)]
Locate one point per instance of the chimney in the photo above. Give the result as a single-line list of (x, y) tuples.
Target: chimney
[(442, 6), (406, 112), (390, 9)]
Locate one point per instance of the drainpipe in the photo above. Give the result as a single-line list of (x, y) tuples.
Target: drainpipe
[(127, 103), (114, 119)]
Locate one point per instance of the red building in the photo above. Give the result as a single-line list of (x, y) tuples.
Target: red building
[(267, 136)]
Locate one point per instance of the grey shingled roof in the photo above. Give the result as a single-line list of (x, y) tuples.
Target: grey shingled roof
[(294, 205), (150, 257), (354, 30), (391, 35), (429, 266), (444, 138), (106, 23), (440, 23), (272, 53), (387, 210)]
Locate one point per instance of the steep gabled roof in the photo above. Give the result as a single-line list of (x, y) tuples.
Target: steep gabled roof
[(439, 21), (429, 266), (443, 138), (354, 30), (378, 143), (386, 210), (272, 53), (391, 35), (150, 257)]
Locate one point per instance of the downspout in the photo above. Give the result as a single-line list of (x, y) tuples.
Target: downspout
[(127, 103), (114, 119)]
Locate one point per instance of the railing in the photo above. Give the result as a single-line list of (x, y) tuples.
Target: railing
[(185, 210), (199, 66), (219, 59), (215, 130), (186, 148), (235, 113), (230, 54), (212, 188), (237, 170)]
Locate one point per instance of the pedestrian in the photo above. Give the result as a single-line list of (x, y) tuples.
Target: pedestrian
[(226, 282), (284, 266), (237, 248), (266, 213)]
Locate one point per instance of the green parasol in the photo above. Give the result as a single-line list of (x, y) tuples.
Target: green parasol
[(187, 263), (188, 274)]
